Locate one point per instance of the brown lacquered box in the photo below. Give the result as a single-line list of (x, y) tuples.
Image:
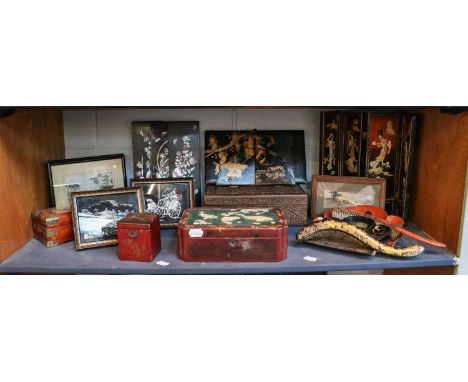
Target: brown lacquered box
[(224, 234), (52, 227), (139, 237), (292, 199)]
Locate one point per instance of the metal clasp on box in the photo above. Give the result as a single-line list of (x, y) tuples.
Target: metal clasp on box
[(133, 234)]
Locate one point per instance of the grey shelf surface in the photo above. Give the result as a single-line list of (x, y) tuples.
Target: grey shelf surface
[(36, 259)]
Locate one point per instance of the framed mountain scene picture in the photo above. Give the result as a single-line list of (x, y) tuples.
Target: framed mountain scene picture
[(333, 192)]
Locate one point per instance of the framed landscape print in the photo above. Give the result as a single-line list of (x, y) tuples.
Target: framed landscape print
[(66, 176), (167, 150), (331, 192), (168, 198), (249, 157), (95, 214)]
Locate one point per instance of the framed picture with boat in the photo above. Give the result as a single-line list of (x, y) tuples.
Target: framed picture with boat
[(330, 192), (104, 172)]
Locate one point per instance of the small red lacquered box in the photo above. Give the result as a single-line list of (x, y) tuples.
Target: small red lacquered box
[(52, 227), (139, 237)]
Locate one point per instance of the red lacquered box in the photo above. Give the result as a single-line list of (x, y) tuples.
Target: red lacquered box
[(139, 237), (228, 234), (52, 227)]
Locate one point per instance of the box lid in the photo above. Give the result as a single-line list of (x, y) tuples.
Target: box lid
[(238, 217), (51, 217), (143, 221)]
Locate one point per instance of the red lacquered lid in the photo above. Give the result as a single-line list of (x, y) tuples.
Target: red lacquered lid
[(51, 217), (143, 221)]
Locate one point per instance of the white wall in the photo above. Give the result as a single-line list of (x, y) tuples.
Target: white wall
[(89, 133)]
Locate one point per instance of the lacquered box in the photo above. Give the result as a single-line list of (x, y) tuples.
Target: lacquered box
[(139, 237), (224, 234), (291, 199), (52, 227)]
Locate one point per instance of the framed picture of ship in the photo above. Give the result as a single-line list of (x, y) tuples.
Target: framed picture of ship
[(332, 192), (98, 173), (168, 198), (95, 214)]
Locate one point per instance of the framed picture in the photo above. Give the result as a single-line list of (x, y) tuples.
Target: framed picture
[(168, 198), (66, 176), (330, 192), (167, 150), (95, 214)]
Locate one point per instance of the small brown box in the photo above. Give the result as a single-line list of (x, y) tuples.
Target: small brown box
[(52, 227), (292, 200), (232, 235), (139, 237)]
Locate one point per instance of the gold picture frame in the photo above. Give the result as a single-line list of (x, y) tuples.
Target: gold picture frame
[(95, 214)]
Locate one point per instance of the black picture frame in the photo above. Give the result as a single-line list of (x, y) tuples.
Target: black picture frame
[(51, 164), (171, 208)]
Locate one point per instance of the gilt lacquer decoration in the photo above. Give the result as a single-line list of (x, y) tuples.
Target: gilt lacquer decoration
[(248, 157)]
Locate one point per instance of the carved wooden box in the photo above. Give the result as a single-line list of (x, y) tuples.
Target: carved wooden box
[(52, 227), (233, 235), (291, 200)]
